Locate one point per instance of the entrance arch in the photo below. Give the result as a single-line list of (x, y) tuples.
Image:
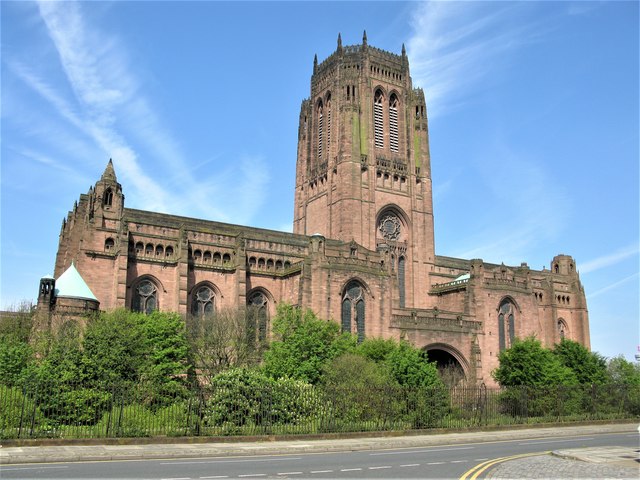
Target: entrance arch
[(451, 364)]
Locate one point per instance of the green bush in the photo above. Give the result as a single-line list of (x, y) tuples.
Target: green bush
[(18, 413), (128, 421)]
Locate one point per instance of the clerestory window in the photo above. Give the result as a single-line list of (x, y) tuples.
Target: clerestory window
[(145, 297), (203, 302)]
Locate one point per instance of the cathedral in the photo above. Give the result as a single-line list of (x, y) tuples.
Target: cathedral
[(362, 251)]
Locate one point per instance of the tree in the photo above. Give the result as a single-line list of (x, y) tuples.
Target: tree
[(303, 344), (219, 342), (589, 367), (528, 363), (411, 368), (623, 372)]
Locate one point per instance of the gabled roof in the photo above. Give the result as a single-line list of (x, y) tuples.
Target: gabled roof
[(71, 285)]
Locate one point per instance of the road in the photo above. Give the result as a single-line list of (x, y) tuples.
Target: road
[(443, 461)]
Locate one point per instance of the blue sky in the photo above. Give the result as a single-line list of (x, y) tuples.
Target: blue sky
[(533, 118)]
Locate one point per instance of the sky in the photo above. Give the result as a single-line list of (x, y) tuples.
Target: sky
[(533, 118)]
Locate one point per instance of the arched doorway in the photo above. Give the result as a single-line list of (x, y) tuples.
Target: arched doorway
[(449, 362)]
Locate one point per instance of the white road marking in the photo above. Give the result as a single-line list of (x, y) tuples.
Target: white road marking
[(550, 441), (479, 459), (290, 473), (458, 461), (253, 475), (177, 478), (321, 471), (426, 450), (217, 476), (5, 469), (411, 465), (195, 462), (350, 469), (379, 468), (435, 463)]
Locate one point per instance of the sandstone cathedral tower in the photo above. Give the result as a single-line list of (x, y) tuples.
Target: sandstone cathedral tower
[(362, 252)]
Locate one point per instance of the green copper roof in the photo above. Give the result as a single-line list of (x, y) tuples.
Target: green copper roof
[(71, 285)]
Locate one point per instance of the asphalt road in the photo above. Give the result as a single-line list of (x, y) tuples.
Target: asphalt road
[(444, 461)]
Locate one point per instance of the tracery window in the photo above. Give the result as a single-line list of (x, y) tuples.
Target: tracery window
[(389, 226), (506, 324), (393, 123), (378, 120), (353, 309), (203, 302), (109, 244), (257, 316), (145, 297)]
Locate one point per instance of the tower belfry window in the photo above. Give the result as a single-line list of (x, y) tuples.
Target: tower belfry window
[(108, 197), (328, 124), (378, 121), (393, 123), (320, 129)]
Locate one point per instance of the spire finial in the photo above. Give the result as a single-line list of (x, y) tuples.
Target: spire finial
[(315, 63), (339, 43), (109, 172), (404, 50), (364, 39)]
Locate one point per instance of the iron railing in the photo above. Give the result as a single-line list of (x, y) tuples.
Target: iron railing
[(44, 410)]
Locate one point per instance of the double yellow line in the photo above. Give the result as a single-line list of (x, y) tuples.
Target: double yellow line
[(480, 468)]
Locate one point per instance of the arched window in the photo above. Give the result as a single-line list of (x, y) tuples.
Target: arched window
[(159, 251), (197, 255), (378, 120), (203, 301), (108, 197), (562, 329), (145, 297), (109, 243), (148, 249), (217, 258), (320, 115), (393, 123), (257, 317), (506, 324), (168, 252), (139, 248), (353, 309), (401, 265), (328, 109), (207, 257)]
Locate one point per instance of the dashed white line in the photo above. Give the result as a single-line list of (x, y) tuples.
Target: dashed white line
[(380, 467), (253, 475), (479, 459), (321, 471), (435, 463), (410, 465), (216, 476), (458, 461), (290, 473), (177, 478), (350, 469)]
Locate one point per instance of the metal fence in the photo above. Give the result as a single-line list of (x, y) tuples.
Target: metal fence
[(41, 410)]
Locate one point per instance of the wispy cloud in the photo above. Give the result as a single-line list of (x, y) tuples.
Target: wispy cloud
[(610, 259), (457, 45), (112, 109), (612, 286)]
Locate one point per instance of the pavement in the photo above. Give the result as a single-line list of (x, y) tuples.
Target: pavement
[(602, 462)]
